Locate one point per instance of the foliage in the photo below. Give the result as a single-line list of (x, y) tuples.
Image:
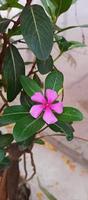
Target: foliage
[(36, 27)]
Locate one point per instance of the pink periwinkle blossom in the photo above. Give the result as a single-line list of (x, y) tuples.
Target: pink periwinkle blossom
[(47, 105)]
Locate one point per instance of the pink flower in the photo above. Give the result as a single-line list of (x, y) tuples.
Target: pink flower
[(46, 105)]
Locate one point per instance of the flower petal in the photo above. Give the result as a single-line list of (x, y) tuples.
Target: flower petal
[(51, 95), (49, 117), (57, 107), (38, 97), (36, 110)]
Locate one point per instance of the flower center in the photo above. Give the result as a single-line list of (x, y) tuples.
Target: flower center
[(47, 105)]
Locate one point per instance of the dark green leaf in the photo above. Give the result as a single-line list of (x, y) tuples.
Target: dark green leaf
[(69, 27), (37, 31), (70, 114), (5, 140), (25, 100), (12, 114), (16, 31), (45, 66), (56, 128), (26, 143), (2, 154), (54, 80), (27, 127), (29, 85), (11, 4), (38, 80), (3, 24), (66, 129), (13, 68)]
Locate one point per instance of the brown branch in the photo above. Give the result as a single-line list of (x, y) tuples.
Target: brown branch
[(3, 98), (33, 165), (25, 169), (32, 68)]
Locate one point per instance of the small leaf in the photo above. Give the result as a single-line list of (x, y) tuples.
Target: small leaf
[(45, 66), (5, 140), (13, 68), (29, 85), (3, 24), (70, 114), (39, 141), (65, 45), (2, 154), (37, 29), (12, 114), (46, 192), (16, 31), (27, 127), (54, 80)]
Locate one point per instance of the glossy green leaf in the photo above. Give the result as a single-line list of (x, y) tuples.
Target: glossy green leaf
[(56, 128), (5, 140), (70, 114), (45, 66), (13, 68), (3, 24), (54, 80), (37, 31), (29, 85), (27, 127), (46, 192), (38, 80), (12, 114), (25, 100), (56, 7), (66, 129), (2, 154)]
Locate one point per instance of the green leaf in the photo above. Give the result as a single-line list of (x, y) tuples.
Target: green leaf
[(29, 85), (56, 128), (54, 81), (27, 127), (45, 66), (39, 141), (16, 31), (12, 114), (5, 163), (65, 45), (5, 140), (25, 100), (38, 80), (11, 4), (26, 144), (37, 29), (70, 114), (46, 192), (2, 154), (66, 129), (13, 68), (55, 8), (3, 24)]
